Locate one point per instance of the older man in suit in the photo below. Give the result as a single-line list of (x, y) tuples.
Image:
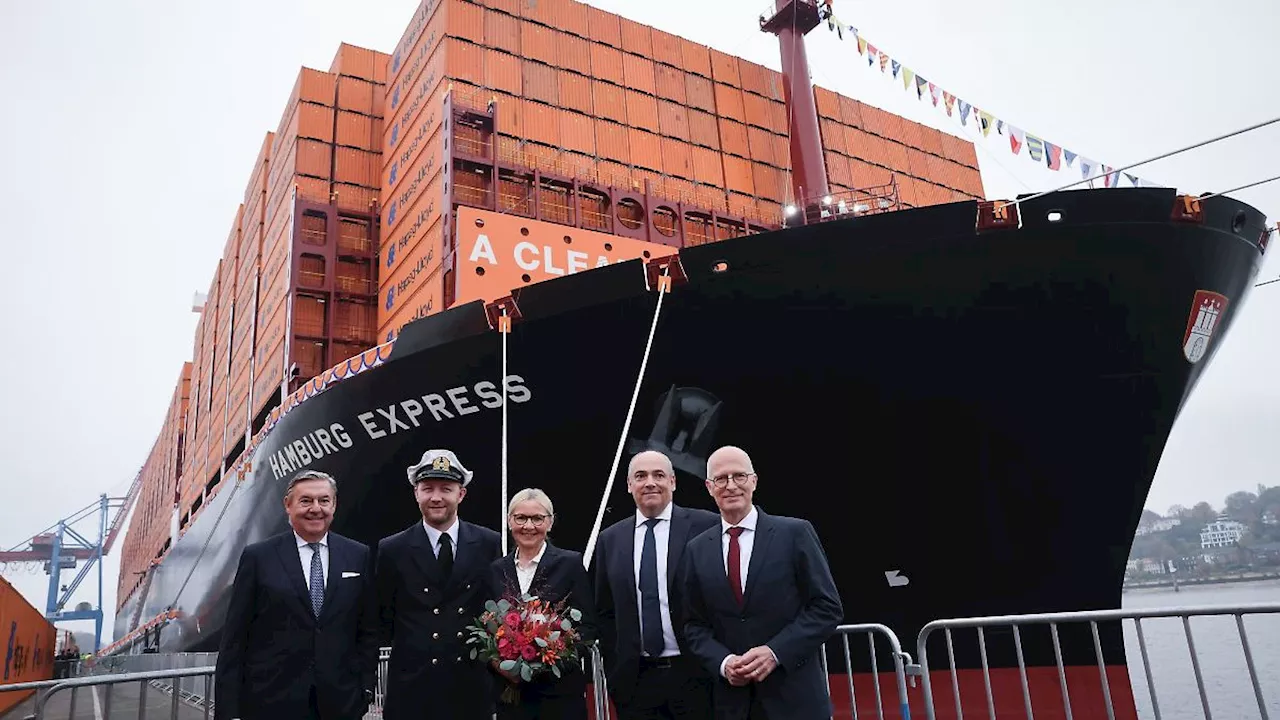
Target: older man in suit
[(431, 580), (760, 602), (638, 597), (300, 638)]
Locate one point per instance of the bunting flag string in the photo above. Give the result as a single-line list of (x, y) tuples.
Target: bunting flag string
[(1051, 155)]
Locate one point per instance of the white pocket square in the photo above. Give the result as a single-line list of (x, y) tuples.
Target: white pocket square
[(350, 574)]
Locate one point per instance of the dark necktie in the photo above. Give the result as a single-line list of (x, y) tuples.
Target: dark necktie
[(650, 617), (735, 563), (446, 555), (317, 579)]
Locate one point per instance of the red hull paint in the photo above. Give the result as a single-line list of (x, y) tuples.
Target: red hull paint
[(1083, 684)]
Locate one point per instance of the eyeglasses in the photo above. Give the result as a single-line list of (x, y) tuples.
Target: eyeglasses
[(738, 478), (529, 519)]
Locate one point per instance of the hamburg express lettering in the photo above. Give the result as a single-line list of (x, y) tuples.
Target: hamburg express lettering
[(454, 402), (531, 257), (398, 417)]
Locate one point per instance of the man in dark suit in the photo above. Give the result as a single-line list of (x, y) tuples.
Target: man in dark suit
[(760, 602), (431, 580), (638, 596), (300, 639)]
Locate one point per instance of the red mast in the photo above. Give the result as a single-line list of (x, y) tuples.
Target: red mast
[(791, 20)]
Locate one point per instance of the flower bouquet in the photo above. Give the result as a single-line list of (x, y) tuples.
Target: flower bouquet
[(527, 637)]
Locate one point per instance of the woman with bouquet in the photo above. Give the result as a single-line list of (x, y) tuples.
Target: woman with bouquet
[(541, 622)]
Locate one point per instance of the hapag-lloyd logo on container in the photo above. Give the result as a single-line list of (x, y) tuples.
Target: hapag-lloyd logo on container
[(403, 287), (412, 73), (423, 217), (416, 24), (410, 110), (411, 149), (410, 193)]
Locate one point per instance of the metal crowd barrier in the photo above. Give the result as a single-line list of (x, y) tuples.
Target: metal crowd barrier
[(47, 689), (1019, 623), (902, 666)]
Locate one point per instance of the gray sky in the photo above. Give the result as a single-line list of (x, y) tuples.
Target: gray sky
[(129, 129)]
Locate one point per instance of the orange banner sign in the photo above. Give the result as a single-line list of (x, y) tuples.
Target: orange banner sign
[(498, 253)]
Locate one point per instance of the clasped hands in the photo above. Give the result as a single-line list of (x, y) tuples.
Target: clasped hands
[(752, 666)]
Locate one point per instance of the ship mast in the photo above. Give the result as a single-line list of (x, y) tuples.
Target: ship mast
[(791, 20)]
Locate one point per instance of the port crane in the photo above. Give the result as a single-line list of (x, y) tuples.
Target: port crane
[(85, 536)]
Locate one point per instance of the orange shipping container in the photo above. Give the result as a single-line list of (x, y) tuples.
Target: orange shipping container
[(538, 42), (355, 167), (729, 103), (503, 72), (30, 642), (575, 92), (267, 372), (604, 27), (502, 31), (413, 32), (355, 95), (637, 73), (541, 123), (760, 144), (508, 113), (666, 48), (671, 84), (724, 69), (418, 90), (514, 251), (606, 64), (306, 120), (427, 299), (613, 142), (704, 130), (355, 62), (676, 158), (464, 61), (541, 82), (315, 87), (354, 197), (573, 53), (419, 263), (737, 175), (642, 111), (609, 101), (673, 120), (646, 149), (700, 93), (417, 139), (733, 138), (708, 167), (697, 58), (577, 132), (636, 38), (399, 243), (412, 181), (356, 131)]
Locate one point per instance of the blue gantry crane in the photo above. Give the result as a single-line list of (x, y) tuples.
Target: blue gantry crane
[(68, 543)]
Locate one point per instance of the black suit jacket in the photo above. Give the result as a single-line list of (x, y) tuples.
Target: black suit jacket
[(274, 650), (560, 577), (790, 604), (615, 585), (424, 616)]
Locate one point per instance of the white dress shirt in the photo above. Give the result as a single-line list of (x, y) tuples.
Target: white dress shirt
[(526, 571), (304, 554), (661, 537), (433, 535), (746, 541)]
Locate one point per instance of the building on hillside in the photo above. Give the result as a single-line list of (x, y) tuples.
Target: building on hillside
[(1163, 524), (1221, 533)]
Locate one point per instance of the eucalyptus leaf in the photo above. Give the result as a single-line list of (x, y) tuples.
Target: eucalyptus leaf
[(503, 606), (491, 606), (541, 642), (526, 673), (507, 665), (555, 670), (474, 653), (576, 614), (555, 635), (566, 625)]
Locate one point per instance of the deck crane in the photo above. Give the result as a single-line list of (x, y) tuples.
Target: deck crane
[(62, 547)]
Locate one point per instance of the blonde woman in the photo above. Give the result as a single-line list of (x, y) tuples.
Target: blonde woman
[(554, 575)]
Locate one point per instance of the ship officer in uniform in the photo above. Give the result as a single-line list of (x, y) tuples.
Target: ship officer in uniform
[(431, 585)]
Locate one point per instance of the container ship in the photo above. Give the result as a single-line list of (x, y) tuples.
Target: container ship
[(485, 239)]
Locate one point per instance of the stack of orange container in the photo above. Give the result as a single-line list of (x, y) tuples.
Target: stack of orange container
[(29, 640), (149, 534), (219, 365), (865, 145)]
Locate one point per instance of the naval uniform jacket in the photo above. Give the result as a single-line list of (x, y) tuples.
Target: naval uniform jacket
[(431, 672)]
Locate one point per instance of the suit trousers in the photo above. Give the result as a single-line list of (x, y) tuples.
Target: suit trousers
[(668, 689)]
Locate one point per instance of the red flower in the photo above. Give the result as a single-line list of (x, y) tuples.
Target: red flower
[(529, 652), (513, 620), (508, 651)]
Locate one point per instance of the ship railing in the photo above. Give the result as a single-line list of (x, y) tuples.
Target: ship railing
[(1090, 688), (883, 681)]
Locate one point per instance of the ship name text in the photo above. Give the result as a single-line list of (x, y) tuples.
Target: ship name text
[(403, 416)]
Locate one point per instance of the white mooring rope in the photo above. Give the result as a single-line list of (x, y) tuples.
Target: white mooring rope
[(504, 327), (663, 288)]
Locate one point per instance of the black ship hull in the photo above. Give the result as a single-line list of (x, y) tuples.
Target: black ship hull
[(970, 419)]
